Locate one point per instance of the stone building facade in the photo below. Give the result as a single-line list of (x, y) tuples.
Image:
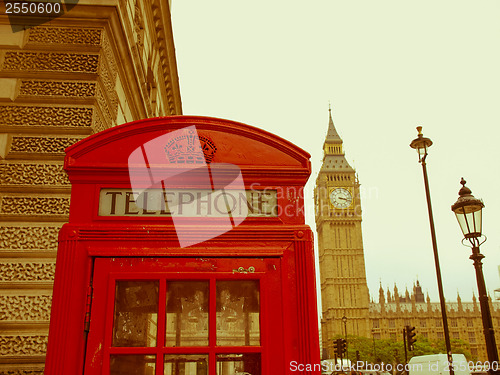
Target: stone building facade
[(344, 291), (100, 64), (394, 311)]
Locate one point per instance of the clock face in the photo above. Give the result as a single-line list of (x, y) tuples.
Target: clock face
[(340, 198)]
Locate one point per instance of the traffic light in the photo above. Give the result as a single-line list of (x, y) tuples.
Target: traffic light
[(410, 337), (338, 347), (343, 346)]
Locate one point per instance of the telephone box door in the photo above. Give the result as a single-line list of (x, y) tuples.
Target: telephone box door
[(189, 316)]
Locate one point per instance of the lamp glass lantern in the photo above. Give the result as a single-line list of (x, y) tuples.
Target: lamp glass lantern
[(468, 211), (421, 144)]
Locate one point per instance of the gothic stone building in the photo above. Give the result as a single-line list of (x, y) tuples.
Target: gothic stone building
[(99, 64), (344, 290), (394, 311)]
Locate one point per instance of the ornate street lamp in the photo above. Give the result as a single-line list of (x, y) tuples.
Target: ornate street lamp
[(468, 211), (421, 144)]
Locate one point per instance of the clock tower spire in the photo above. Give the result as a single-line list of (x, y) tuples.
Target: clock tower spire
[(333, 151), (344, 291)]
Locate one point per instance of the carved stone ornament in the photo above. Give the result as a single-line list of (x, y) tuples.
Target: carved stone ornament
[(45, 116), (32, 308), (27, 271), (111, 112), (23, 345), (33, 174), (28, 238), (65, 35), (108, 53), (58, 88), (51, 61), (34, 206), (44, 145)]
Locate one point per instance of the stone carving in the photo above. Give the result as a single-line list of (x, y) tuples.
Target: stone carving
[(104, 105), (58, 88), (34, 206), (108, 52), (65, 35), (113, 102), (98, 125), (27, 271), (108, 78), (139, 27), (51, 61), (25, 307), (45, 116), (41, 144), (23, 345), (29, 238), (33, 174)]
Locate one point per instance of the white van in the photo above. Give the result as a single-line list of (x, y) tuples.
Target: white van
[(437, 364)]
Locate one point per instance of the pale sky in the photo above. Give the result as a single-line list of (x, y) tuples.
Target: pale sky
[(387, 66)]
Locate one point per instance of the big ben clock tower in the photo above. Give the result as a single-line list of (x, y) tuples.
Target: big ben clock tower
[(344, 291)]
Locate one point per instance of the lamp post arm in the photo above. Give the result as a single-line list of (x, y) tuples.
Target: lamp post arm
[(438, 268)]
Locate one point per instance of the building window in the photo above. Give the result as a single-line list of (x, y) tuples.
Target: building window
[(438, 322), (456, 335), (473, 351), (472, 338), (470, 323), (376, 323), (424, 334), (392, 323), (440, 335), (407, 322), (423, 323), (454, 323)]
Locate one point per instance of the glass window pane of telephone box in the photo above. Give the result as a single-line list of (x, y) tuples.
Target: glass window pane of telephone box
[(187, 322)]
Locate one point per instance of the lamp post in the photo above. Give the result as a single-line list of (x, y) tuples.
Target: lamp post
[(344, 320), (468, 211), (374, 351), (421, 144)]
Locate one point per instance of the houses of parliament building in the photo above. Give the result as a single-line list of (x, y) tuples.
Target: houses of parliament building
[(344, 290)]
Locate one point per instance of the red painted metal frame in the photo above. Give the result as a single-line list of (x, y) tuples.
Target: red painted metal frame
[(265, 161), (107, 273)]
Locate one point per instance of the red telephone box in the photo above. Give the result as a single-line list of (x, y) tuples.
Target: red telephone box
[(186, 253)]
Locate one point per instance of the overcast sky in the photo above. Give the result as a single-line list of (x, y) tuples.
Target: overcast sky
[(387, 66)]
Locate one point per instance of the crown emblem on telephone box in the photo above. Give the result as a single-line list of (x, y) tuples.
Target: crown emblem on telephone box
[(189, 147)]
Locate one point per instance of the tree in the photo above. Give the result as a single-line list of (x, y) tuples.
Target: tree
[(391, 351)]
